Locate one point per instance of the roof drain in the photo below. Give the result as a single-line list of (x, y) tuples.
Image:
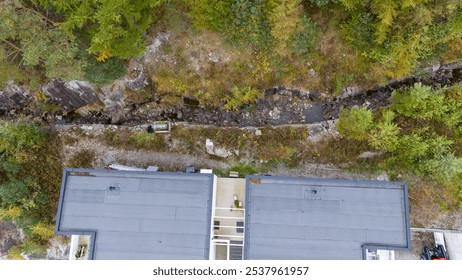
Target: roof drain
[(313, 193)]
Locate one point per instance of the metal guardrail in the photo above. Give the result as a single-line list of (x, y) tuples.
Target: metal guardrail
[(434, 230)]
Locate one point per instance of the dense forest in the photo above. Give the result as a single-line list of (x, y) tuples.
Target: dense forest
[(322, 45), (346, 41)]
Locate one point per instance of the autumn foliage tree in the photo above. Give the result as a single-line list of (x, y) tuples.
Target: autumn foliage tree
[(30, 169), (398, 34)]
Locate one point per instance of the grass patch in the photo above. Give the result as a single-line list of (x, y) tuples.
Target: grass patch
[(29, 247), (275, 143), (15, 253), (82, 159), (243, 169), (138, 140)]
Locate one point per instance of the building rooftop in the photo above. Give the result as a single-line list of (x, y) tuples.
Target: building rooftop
[(297, 218), (138, 215)]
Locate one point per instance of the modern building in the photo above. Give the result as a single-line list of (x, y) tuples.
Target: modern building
[(137, 215), (321, 219), (156, 215)]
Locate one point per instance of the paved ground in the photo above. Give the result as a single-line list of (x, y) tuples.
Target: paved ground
[(454, 245)]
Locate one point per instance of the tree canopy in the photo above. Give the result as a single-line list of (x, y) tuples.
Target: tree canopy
[(398, 34), (116, 27), (421, 130), (30, 168), (30, 39)]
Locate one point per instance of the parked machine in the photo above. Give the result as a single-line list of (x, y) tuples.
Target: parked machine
[(436, 252)]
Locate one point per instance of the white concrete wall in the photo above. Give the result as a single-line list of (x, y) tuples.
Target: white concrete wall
[(212, 253)]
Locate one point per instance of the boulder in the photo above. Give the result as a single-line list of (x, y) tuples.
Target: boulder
[(59, 249), (69, 95), (137, 79), (114, 103), (216, 151), (10, 236), (138, 82), (13, 97)]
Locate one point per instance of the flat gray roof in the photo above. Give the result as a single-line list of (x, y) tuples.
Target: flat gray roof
[(138, 215), (322, 219)]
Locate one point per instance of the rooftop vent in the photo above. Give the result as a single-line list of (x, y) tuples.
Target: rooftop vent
[(113, 190)]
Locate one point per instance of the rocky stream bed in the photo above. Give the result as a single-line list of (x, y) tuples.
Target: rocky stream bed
[(78, 102)]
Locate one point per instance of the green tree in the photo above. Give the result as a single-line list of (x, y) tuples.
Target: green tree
[(413, 131), (116, 27), (420, 102), (43, 231), (453, 118), (443, 167), (28, 38), (385, 134), (411, 148)]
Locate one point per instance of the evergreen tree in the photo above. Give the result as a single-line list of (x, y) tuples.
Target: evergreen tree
[(116, 27), (30, 39)]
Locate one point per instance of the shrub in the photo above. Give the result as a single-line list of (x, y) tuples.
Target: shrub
[(419, 131), (285, 21), (15, 253), (146, 141), (14, 191), (210, 14), (103, 73), (243, 169), (9, 71), (43, 231), (355, 123), (306, 38), (241, 96), (19, 139), (11, 213), (31, 168), (249, 23)]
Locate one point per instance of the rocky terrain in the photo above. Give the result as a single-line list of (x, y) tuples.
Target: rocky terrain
[(78, 102), (10, 236)]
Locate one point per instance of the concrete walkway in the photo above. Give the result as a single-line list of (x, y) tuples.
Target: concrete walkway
[(453, 245)]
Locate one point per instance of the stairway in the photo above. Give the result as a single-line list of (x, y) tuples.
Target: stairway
[(235, 252)]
